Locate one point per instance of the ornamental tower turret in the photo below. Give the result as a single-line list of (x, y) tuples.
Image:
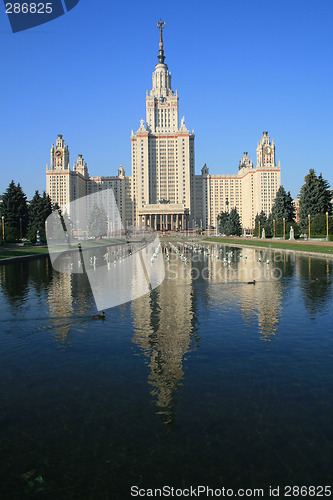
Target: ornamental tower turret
[(80, 166), (60, 155), (162, 102), (265, 152)]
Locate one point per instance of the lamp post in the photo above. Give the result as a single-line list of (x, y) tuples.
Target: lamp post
[(3, 228), (20, 228), (326, 226), (309, 217), (284, 228), (273, 228), (259, 230)]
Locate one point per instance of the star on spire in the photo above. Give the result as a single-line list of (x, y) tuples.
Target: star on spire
[(161, 56)]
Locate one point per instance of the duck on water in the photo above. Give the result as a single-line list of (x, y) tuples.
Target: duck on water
[(99, 316)]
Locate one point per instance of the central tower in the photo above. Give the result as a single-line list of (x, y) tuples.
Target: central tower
[(162, 157)]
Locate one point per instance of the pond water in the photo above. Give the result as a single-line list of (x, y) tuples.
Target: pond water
[(206, 380)]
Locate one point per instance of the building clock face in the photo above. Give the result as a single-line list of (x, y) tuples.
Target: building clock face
[(267, 150), (162, 100), (58, 153)]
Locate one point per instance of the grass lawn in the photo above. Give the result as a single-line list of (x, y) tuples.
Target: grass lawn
[(8, 252), (320, 247)]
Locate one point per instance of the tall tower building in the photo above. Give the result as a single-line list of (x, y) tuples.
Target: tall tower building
[(64, 185), (268, 176), (163, 192), (59, 176), (162, 157)]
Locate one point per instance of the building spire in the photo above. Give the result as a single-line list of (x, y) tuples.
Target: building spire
[(161, 56)]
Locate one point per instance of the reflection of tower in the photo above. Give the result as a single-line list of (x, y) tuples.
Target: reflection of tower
[(164, 321), (262, 301), (60, 304), (268, 301)]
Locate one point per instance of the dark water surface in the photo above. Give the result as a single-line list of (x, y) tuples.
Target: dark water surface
[(207, 380)]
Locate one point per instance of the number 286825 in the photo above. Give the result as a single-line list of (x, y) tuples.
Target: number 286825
[(29, 8)]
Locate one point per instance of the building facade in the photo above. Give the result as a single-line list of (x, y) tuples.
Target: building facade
[(163, 192), (251, 190), (64, 185)]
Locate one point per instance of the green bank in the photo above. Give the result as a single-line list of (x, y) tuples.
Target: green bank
[(12, 252), (7, 253), (324, 248)]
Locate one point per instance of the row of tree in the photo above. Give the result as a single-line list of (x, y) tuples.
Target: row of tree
[(23, 219), (314, 200), (229, 223)]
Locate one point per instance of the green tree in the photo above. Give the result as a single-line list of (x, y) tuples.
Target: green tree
[(14, 209), (222, 218), (97, 221), (39, 209), (233, 226), (319, 225), (58, 227), (283, 206), (325, 196), (262, 218), (315, 198)]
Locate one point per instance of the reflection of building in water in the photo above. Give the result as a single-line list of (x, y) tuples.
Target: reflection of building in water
[(164, 321), (262, 300), (60, 302), (71, 301), (268, 299)]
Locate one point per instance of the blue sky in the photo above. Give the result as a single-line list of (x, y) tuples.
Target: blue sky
[(239, 67)]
